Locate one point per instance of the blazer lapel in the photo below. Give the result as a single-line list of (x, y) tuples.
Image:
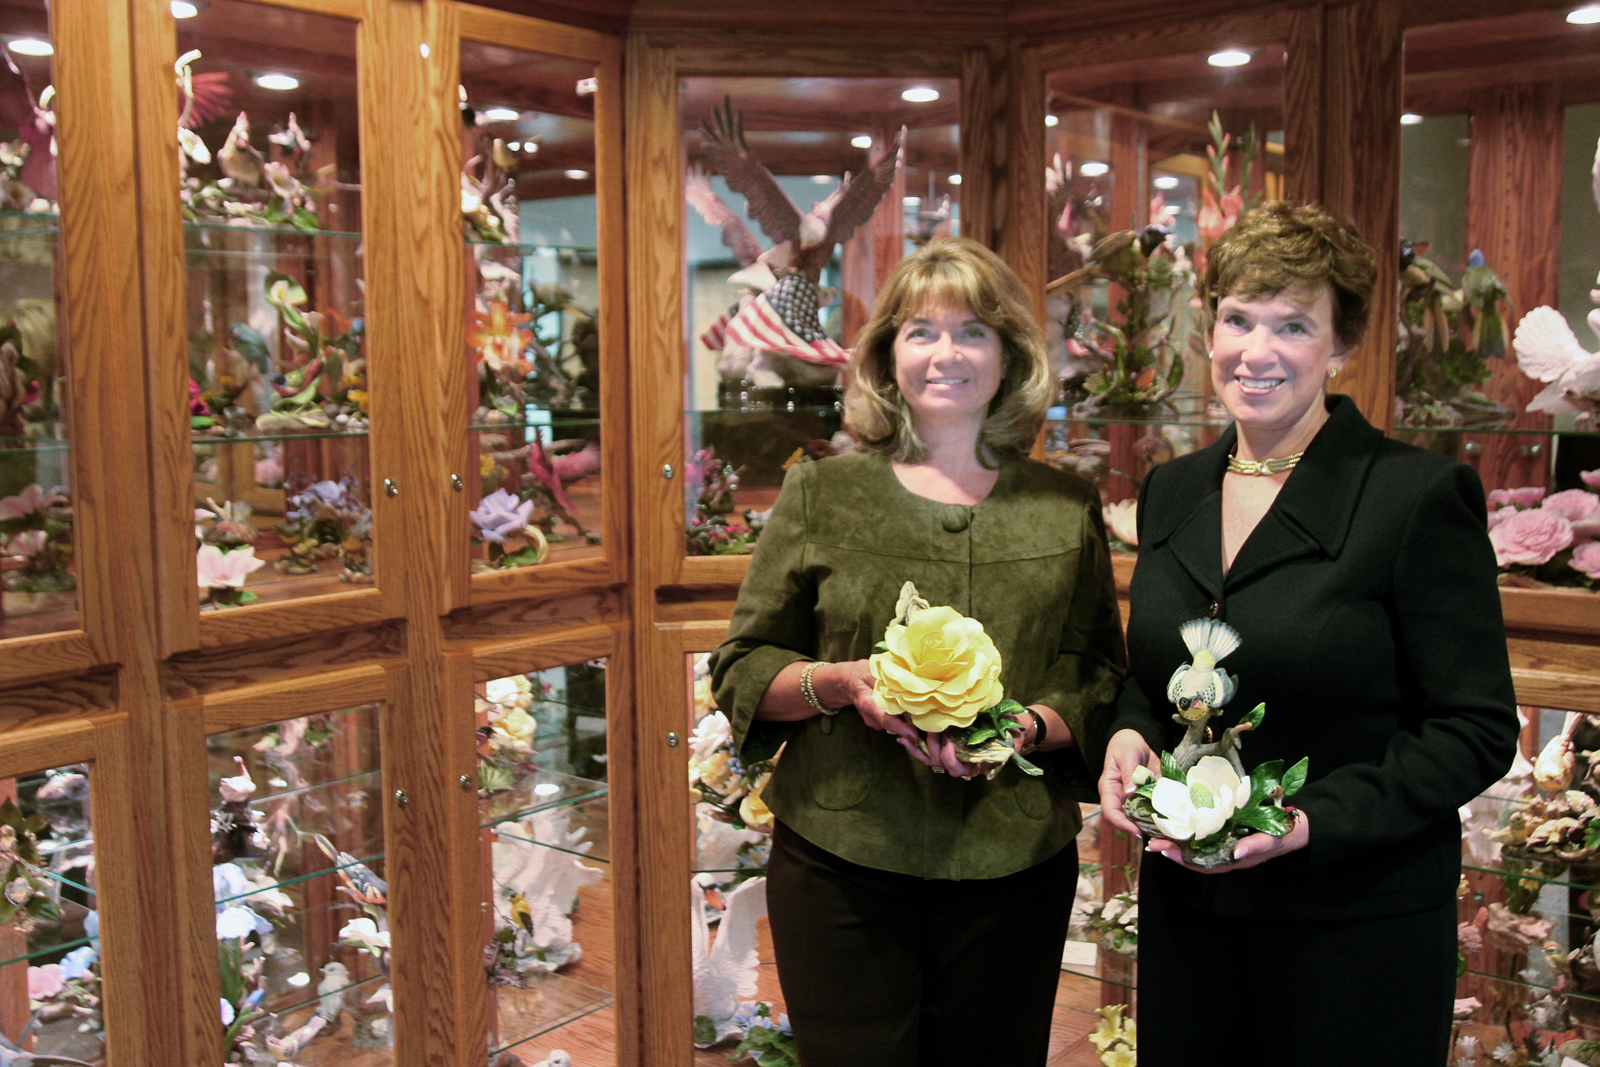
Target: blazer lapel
[(1192, 509), (1314, 509)]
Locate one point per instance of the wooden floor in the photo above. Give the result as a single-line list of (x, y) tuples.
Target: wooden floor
[(591, 1039)]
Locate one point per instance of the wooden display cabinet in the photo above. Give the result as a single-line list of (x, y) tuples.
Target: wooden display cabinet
[(153, 697)]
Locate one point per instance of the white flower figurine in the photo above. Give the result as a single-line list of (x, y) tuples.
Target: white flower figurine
[(1198, 809), (217, 569)]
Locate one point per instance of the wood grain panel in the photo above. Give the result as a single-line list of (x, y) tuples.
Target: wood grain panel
[(1556, 689), (45, 655), (549, 579), (713, 571), (54, 743), (1551, 610), (215, 670), (696, 637), (365, 606), (629, 980), (574, 645), (618, 396), (1165, 35), (810, 55), (1303, 102), (1429, 12), (1514, 164), (286, 698), (532, 34), (519, 618), (166, 364), (936, 18), (655, 311), (1361, 178), (1023, 240), (982, 115)]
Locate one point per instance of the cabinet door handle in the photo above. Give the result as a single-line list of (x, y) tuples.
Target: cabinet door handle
[(667, 472), (390, 488), (401, 797), (456, 483), (672, 740)]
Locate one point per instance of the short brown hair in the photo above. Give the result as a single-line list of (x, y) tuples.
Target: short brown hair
[(1282, 246), (951, 272)]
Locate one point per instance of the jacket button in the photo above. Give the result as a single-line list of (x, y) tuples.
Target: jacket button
[(1215, 609), (957, 518)]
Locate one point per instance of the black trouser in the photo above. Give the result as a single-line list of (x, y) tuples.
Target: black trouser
[(887, 970), (1219, 992)]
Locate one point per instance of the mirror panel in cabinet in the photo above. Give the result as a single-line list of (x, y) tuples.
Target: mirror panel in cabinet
[(38, 583), (1531, 888), (1150, 161), (1500, 222), (797, 212), (544, 810), (271, 171), (530, 232), (297, 876), (50, 992)]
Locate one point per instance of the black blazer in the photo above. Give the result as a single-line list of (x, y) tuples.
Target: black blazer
[(1371, 627)]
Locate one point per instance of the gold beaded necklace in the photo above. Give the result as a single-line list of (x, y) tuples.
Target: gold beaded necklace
[(1263, 467)]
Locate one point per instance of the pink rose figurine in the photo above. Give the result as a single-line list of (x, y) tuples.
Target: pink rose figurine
[(1586, 558), (1499, 515), (1525, 497), (1575, 504), (1530, 537), (1590, 478)]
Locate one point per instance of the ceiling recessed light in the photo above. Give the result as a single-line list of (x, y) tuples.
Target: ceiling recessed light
[(821, 179), (499, 114), (1093, 169), (546, 789), (1050, 120), (280, 82), (515, 146), (1585, 16), (921, 94), (576, 175), (1231, 57), (1165, 181), (1410, 118), (913, 201), (861, 140), (183, 9), (30, 46), (955, 179)]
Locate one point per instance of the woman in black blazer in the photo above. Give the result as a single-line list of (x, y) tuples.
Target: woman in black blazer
[(1358, 573)]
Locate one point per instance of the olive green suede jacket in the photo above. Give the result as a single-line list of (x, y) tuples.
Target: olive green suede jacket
[(1029, 562)]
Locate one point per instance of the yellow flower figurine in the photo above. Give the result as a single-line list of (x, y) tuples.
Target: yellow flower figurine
[(939, 668)]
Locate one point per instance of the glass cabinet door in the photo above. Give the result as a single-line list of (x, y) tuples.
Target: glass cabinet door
[(50, 990), (544, 812), (1164, 151), (532, 345), (270, 173), (38, 581), (797, 209), (297, 850)]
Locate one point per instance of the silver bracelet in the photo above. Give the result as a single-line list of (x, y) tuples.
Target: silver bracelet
[(809, 691)]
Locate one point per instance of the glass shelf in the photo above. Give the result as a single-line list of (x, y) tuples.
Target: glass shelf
[(533, 249), (536, 791), (549, 1001), (1108, 967), (31, 444), (200, 438), (266, 229), (591, 816)]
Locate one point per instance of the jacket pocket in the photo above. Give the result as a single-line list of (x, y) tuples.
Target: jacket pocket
[(839, 766), (1033, 796)]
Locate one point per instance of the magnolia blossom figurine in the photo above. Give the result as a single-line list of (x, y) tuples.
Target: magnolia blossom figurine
[(941, 672), (1203, 798), (222, 574), (36, 527)]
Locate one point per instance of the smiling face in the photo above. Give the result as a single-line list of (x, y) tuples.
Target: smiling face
[(1270, 358), (948, 364)]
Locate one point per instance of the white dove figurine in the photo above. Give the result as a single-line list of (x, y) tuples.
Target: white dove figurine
[(330, 991), (559, 1057), (1200, 687), (1548, 351), (725, 972)]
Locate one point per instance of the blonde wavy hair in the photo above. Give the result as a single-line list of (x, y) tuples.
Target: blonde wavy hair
[(951, 272)]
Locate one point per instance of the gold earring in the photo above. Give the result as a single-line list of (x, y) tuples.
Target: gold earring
[(1333, 372)]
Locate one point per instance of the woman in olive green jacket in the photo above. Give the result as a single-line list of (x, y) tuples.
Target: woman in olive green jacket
[(910, 897)]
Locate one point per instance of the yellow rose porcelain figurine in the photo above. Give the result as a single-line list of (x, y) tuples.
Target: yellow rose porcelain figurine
[(940, 671)]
